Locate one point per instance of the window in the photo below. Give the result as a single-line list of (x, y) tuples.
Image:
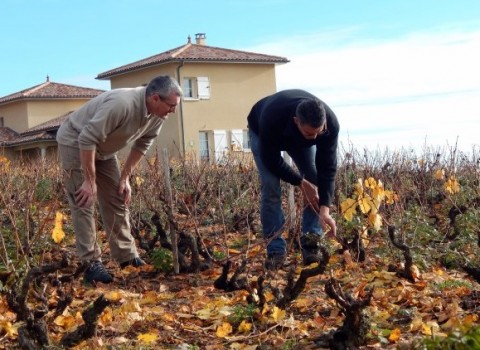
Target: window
[(196, 88), (1, 122), (203, 146), (188, 87)]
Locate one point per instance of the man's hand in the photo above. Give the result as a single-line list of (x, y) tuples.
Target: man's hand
[(124, 186), (310, 193), (87, 193), (125, 190), (328, 223)]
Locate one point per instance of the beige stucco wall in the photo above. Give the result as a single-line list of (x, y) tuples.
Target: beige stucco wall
[(41, 111), (234, 88), (24, 114), (14, 115)]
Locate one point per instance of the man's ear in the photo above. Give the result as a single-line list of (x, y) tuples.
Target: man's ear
[(296, 120)]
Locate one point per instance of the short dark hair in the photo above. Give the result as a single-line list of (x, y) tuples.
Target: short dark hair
[(311, 112), (164, 86)]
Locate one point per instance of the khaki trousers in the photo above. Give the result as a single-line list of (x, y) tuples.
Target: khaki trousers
[(115, 215)]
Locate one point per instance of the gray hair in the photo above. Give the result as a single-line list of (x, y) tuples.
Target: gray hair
[(311, 112), (164, 86)]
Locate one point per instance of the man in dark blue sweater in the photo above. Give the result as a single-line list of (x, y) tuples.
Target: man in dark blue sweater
[(300, 124)]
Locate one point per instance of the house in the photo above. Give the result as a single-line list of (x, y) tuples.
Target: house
[(29, 119), (220, 86)]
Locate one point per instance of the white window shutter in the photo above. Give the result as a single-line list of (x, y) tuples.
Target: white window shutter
[(220, 144), (237, 139), (203, 88)]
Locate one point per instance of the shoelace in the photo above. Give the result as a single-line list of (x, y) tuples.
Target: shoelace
[(97, 266)]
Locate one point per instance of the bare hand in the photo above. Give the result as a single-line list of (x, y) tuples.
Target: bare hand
[(125, 190), (85, 196), (328, 223)]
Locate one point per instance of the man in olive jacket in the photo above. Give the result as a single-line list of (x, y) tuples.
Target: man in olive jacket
[(88, 142)]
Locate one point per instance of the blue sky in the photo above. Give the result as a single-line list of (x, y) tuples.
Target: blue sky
[(398, 73)]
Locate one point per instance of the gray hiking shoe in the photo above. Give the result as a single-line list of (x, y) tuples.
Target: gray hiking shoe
[(274, 261), (96, 272), (135, 262)]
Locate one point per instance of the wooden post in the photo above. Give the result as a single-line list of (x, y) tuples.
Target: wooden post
[(168, 190)]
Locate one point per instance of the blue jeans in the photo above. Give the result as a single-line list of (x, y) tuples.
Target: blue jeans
[(271, 213)]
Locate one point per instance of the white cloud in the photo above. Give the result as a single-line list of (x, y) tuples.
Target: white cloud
[(406, 91)]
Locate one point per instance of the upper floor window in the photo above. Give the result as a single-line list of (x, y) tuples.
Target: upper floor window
[(1, 122), (196, 88)]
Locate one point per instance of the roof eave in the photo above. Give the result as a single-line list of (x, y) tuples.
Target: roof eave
[(12, 144), (28, 98), (106, 76)]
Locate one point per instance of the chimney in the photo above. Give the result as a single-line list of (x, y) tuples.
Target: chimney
[(200, 38)]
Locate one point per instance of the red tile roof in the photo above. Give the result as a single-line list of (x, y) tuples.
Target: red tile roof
[(195, 53), (49, 90), (40, 132), (7, 134), (30, 138)]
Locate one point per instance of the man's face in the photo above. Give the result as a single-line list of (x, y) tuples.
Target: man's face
[(308, 131), (162, 106)]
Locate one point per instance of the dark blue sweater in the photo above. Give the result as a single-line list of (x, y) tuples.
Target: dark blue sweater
[(271, 119)]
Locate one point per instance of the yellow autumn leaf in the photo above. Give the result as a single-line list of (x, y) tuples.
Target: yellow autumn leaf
[(113, 296), (224, 330), (451, 185), (278, 314), (375, 205), (470, 320), (430, 328), (395, 335), (147, 338), (370, 183), (378, 193), (168, 317), (364, 236), (358, 192), (57, 234), (4, 164), (245, 327), (139, 181), (365, 204), (131, 306), (106, 318), (375, 220), (439, 174), (389, 197), (66, 322), (349, 208), (204, 314), (9, 330), (150, 297)]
